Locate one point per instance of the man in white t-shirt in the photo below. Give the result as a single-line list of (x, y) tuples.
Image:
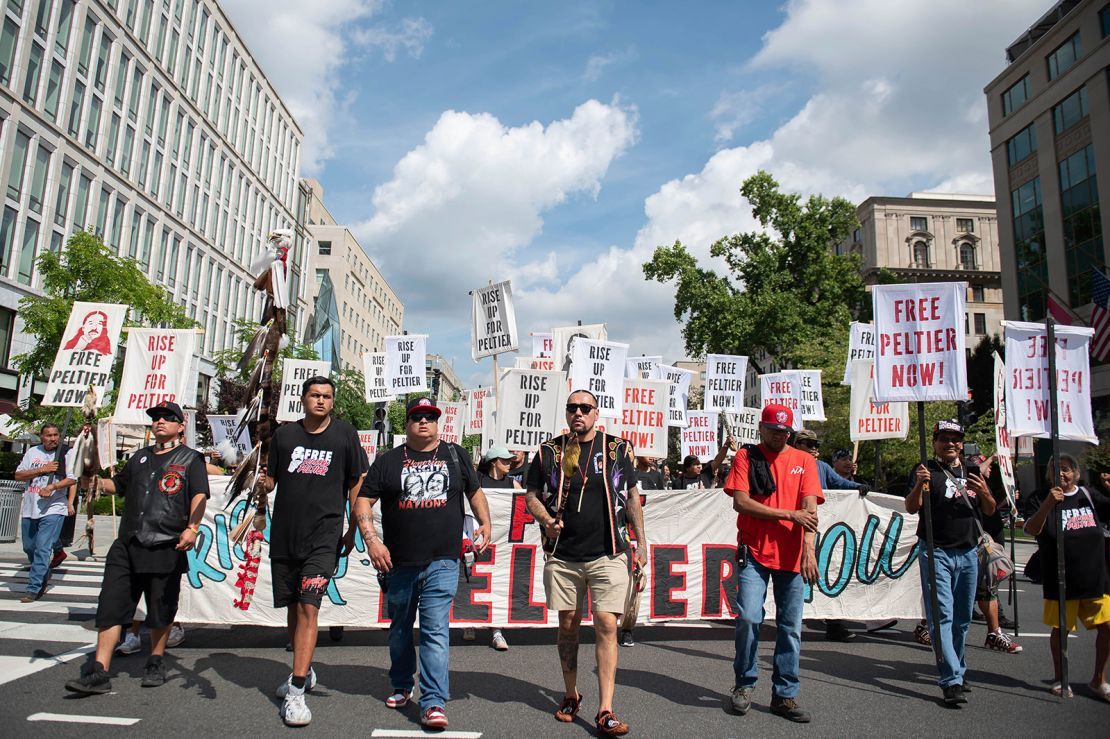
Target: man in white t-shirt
[(45, 505)]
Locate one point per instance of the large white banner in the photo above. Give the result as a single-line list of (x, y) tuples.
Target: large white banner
[(813, 401), (782, 388), (451, 422), (866, 561), (724, 382), (223, 427), (493, 321), (743, 426), (699, 438), (598, 366), (644, 367), (861, 345), (86, 354), (563, 337), (644, 419), (680, 393), (293, 374), (1003, 453), (870, 420), (406, 364), (528, 408), (1027, 389), (919, 341), (373, 375), (155, 369)]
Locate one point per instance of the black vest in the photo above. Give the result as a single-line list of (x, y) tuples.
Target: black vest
[(156, 507)]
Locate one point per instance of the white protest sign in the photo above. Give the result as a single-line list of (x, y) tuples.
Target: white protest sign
[(405, 364), (399, 440), (785, 389), (599, 367), (451, 422), (699, 438), (861, 345), (373, 374), (680, 393), (223, 427), (106, 442), (561, 339), (477, 402), (540, 363), (644, 368), (528, 412), (155, 369), (543, 345), (919, 341), (293, 374), (1003, 453), (86, 354), (870, 420), (813, 402), (1027, 387), (725, 375), (493, 321), (368, 440), (743, 426), (644, 418)]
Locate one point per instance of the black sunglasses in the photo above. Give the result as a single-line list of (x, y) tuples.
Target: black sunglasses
[(164, 417), (426, 417), (585, 408)]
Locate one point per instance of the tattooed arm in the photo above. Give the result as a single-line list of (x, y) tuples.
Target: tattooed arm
[(375, 547), (635, 515)]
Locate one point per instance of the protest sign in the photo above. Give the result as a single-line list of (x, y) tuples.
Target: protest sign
[(106, 442), (861, 345), (644, 367), (813, 402), (293, 374), (1027, 402), (399, 440), (477, 401), (86, 354), (782, 388), (543, 345), (493, 321), (540, 363), (679, 398), (598, 366), (528, 408), (373, 373), (725, 375), (368, 440), (223, 427), (451, 422), (644, 418), (699, 438), (919, 341), (743, 427), (405, 364), (870, 420), (155, 369), (561, 340), (1003, 453)]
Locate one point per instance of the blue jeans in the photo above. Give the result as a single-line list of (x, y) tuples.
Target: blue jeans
[(39, 535), (957, 570), (751, 594), (429, 590)]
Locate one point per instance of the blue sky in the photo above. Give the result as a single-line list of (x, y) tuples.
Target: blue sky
[(556, 144)]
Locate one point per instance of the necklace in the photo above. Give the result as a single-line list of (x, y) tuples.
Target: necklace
[(162, 446), (584, 471), (405, 452)]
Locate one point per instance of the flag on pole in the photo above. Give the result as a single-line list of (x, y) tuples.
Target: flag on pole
[(1060, 312), (1100, 316)]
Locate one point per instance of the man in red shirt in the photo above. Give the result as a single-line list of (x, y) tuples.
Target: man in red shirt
[(775, 490)]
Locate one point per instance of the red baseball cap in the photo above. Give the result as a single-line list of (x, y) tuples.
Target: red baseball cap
[(777, 417), (422, 405)]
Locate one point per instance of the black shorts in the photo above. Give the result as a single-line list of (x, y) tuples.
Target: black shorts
[(123, 586), (303, 580)]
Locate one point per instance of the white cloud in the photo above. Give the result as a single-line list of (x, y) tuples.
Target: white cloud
[(597, 63), (733, 111), (302, 48)]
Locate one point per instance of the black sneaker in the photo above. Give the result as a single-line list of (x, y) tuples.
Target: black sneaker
[(965, 686), (978, 617), (155, 673), (788, 709), (626, 639), (741, 700), (1005, 622), (93, 681), (954, 695)]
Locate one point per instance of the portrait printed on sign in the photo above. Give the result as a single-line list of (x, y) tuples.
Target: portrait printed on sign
[(92, 336)]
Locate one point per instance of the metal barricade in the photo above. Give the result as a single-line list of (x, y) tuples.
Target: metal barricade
[(11, 499)]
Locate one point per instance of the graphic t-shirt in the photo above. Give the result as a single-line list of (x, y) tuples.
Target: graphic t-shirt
[(953, 520), (1084, 544), (703, 481), (314, 473), (649, 479), (421, 494), (776, 545), (33, 504)]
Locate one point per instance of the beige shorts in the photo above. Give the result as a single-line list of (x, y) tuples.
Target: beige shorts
[(607, 579)]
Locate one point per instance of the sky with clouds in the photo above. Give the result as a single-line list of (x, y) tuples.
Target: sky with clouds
[(557, 144)]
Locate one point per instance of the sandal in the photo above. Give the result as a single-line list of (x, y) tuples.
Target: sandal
[(609, 725), (1057, 690), (568, 709), (398, 698), (1102, 690)]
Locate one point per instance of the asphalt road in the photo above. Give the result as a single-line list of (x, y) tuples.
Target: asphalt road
[(673, 683)]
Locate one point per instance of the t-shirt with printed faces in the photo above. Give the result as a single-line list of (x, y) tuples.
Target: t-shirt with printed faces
[(421, 495), (1085, 569), (314, 473), (776, 545), (55, 504), (953, 519)]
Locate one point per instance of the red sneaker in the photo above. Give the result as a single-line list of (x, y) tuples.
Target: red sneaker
[(434, 718), (59, 557)]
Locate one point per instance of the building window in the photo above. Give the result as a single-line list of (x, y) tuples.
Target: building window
[(980, 324), (967, 256), (53, 88), (1104, 20), (965, 225), (7, 236), (920, 254), (919, 223), (1070, 111), (17, 165), (31, 79), (7, 319), (27, 252), (1015, 96), (1032, 269), (325, 248), (38, 179), (1023, 143), (1064, 56), (978, 294), (7, 50), (1082, 222)]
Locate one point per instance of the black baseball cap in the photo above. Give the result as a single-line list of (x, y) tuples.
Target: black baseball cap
[(422, 405), (951, 425), (166, 408)]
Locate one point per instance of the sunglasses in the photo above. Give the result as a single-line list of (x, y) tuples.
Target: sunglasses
[(584, 408), (810, 444), (164, 417), (425, 417)]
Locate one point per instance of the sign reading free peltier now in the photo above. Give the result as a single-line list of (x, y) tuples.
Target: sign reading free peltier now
[(86, 354)]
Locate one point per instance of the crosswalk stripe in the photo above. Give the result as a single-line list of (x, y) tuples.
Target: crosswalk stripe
[(9, 575), (73, 608), (66, 633), (13, 668), (19, 589), (83, 719), (69, 563)]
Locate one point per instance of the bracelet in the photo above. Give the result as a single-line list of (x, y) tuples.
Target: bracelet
[(195, 528)]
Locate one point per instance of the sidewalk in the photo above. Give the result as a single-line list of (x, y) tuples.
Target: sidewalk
[(103, 538)]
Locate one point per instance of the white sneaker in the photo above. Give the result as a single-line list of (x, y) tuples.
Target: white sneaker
[(309, 684), (294, 712), (177, 635), (130, 644), (499, 642)]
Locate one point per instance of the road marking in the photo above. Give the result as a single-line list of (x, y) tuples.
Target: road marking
[(73, 608), (70, 719), (416, 732), (57, 576), (47, 632), (13, 668), (1070, 636), (92, 590), (69, 564)]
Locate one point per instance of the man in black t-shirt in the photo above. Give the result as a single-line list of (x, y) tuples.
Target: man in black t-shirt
[(582, 491), (165, 487), (317, 465), (957, 501), (421, 485), (695, 475)]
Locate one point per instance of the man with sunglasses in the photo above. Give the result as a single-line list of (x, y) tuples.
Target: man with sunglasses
[(421, 485), (582, 491), (165, 488)]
